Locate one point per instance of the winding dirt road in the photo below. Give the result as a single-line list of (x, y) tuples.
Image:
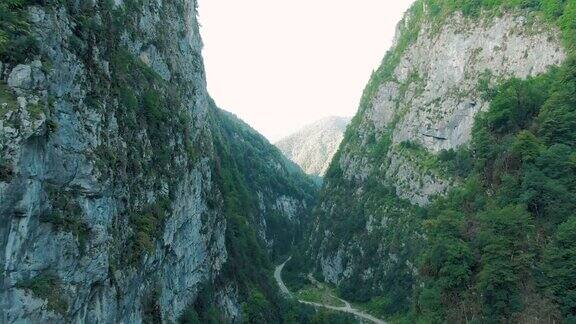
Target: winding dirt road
[(347, 308)]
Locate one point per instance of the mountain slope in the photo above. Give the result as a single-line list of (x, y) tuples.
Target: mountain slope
[(440, 117), (124, 192), (266, 182), (313, 147)]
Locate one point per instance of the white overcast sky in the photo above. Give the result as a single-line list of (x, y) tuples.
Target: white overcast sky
[(282, 64)]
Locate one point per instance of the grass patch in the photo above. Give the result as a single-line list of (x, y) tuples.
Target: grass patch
[(378, 306), (7, 100), (35, 110), (148, 226), (16, 41), (47, 287), (321, 294), (69, 223), (8, 103), (6, 170), (66, 215)]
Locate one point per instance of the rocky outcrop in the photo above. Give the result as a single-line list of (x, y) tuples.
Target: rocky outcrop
[(441, 73), (313, 147)]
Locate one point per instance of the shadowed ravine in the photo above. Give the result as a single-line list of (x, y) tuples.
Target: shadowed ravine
[(347, 308)]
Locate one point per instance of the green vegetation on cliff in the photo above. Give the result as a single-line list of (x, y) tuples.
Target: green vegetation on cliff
[(497, 248), (46, 286), (500, 246), (16, 42), (560, 12), (156, 135)]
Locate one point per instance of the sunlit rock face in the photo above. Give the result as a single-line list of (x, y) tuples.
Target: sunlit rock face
[(81, 177), (442, 71), (313, 147)]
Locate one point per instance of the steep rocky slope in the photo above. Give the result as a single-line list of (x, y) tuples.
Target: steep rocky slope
[(313, 147), (410, 144), (125, 194)]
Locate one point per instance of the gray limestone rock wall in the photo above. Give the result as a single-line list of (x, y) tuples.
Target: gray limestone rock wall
[(80, 182), (436, 92)]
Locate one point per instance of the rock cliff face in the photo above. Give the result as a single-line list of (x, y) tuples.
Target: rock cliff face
[(420, 104), (313, 147), (113, 188), (438, 91), (438, 87)]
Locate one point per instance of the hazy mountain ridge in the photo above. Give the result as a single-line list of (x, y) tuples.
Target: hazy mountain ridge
[(313, 147)]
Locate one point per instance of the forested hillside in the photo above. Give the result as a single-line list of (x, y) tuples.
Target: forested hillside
[(266, 201), (314, 146), (460, 165), (127, 195), (502, 245)]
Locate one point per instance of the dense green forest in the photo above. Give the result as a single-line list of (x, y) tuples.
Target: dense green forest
[(249, 263), (243, 163), (499, 247), (504, 242)]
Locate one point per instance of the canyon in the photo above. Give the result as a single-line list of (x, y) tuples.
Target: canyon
[(128, 196)]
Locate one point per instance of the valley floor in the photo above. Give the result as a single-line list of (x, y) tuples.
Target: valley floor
[(347, 307)]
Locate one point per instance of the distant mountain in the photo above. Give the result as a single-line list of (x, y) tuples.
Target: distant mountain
[(313, 147)]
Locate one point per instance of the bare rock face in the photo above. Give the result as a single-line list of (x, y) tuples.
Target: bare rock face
[(436, 89), (441, 72), (313, 147), (20, 77), (66, 233)]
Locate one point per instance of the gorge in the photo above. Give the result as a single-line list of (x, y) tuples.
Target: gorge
[(128, 196)]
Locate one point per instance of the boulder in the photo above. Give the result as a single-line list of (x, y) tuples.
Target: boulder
[(21, 77)]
